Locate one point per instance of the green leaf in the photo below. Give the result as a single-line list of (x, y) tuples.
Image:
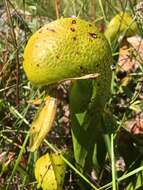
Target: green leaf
[(80, 96), (86, 126), (42, 124), (50, 172)]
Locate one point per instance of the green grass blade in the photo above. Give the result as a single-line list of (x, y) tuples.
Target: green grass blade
[(102, 10), (71, 166), (18, 160), (114, 181)]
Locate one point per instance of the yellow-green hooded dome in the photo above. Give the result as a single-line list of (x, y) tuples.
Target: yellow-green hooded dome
[(66, 48)]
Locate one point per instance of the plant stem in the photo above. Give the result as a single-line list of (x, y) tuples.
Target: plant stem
[(57, 8), (16, 47), (71, 166)]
